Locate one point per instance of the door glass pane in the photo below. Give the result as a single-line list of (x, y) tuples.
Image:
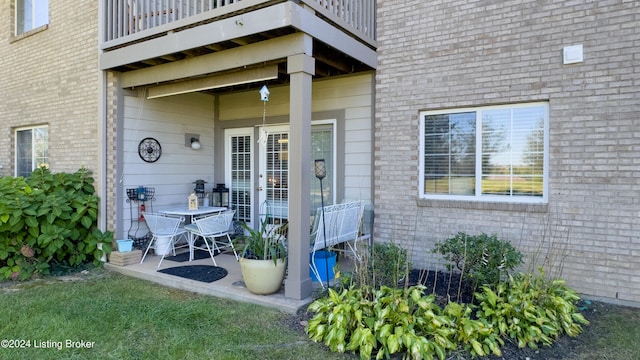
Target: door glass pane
[(274, 171), (322, 148), (241, 177), (277, 176)]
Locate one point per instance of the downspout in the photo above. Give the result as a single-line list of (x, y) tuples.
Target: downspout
[(102, 133)]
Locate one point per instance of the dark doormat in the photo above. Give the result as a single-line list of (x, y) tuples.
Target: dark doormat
[(197, 255), (204, 273)]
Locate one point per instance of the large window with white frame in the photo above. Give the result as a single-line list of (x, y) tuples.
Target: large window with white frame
[(32, 149), (30, 14), (496, 153)]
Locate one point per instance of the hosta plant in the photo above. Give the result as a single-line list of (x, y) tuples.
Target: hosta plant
[(385, 322), (477, 336), (531, 309)]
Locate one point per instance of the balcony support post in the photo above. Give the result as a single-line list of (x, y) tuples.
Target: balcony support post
[(301, 68)]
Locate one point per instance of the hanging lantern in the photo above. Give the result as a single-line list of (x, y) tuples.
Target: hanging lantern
[(220, 196)]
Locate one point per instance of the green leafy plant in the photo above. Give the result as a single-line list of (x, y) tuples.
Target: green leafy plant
[(531, 309), (384, 322), (388, 264), (49, 218), (265, 243), (476, 336), (481, 258)]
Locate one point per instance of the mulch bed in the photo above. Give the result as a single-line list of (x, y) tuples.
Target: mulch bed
[(445, 285)]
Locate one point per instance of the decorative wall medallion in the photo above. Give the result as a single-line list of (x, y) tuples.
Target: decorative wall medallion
[(149, 150)]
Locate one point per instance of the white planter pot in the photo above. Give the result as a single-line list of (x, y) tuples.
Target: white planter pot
[(262, 276)]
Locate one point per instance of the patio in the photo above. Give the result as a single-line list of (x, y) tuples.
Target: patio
[(230, 287)]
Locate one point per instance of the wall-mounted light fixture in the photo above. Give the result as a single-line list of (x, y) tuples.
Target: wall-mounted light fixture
[(192, 141)]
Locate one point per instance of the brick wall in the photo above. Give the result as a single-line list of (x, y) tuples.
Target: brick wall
[(51, 77), (447, 54)]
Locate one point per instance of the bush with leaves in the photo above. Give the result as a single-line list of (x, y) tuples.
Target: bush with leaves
[(49, 218), (387, 265), (383, 322), (480, 258), (531, 309)]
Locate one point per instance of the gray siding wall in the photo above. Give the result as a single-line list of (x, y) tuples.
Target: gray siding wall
[(167, 120), (447, 54)]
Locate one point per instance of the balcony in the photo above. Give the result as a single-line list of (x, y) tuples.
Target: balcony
[(160, 31), (127, 20)]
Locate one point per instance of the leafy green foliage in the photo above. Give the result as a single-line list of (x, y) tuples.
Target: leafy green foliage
[(531, 309), (266, 242), (481, 258), (388, 264), (385, 322), (48, 217)]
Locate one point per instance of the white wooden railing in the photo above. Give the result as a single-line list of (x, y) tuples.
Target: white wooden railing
[(130, 20)]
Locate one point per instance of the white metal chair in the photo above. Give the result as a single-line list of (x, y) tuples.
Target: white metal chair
[(213, 228), (162, 226)]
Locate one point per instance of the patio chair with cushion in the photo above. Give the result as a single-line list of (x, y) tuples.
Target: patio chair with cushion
[(215, 229), (165, 228)]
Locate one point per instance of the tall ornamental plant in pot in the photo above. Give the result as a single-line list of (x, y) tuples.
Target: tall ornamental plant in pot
[(263, 261)]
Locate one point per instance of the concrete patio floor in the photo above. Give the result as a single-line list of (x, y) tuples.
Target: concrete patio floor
[(229, 287)]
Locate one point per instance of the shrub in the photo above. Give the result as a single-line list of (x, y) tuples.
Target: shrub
[(48, 218), (388, 264), (480, 258)]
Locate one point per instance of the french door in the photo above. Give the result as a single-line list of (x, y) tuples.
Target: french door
[(261, 187), (273, 174)]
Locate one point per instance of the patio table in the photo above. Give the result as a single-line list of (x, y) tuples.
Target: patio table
[(191, 215)]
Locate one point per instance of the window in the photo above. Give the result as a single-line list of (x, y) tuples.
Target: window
[(489, 154), (31, 14), (32, 149)]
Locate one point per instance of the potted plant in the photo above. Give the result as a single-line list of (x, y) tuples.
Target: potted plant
[(263, 259)]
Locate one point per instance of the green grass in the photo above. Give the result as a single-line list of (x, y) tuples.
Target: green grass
[(613, 334), (126, 318)]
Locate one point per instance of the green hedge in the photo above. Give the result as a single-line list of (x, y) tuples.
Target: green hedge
[(48, 218)]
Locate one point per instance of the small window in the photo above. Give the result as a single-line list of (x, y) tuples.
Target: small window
[(31, 14), (32, 149), (489, 154)]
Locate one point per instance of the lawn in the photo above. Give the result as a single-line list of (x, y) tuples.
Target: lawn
[(110, 316), (124, 318)]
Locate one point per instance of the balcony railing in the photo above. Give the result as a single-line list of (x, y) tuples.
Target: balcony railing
[(131, 20)]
